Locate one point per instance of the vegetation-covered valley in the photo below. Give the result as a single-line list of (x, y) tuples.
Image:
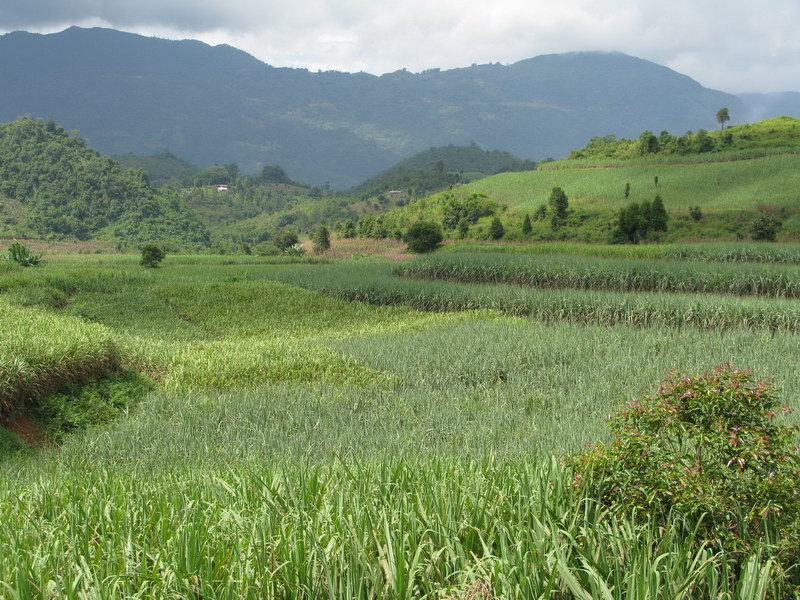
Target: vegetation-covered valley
[(217, 405)]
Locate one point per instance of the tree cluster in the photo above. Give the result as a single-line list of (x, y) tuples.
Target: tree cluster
[(637, 222), (468, 210)]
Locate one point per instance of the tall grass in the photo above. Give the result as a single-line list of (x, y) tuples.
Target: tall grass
[(41, 352), (417, 529), (735, 252), (585, 273), (374, 284)]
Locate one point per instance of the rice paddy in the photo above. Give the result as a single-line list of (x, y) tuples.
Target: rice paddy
[(333, 429)]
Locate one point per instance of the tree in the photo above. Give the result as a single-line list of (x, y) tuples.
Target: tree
[(527, 228), (648, 143), (765, 228), (703, 142), (463, 228), (496, 229), (695, 213), (423, 237), (628, 225), (152, 255), (658, 215), (286, 239), (349, 230), (322, 239), (723, 116), (273, 174), (559, 204)]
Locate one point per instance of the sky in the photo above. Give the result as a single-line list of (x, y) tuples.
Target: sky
[(731, 45)]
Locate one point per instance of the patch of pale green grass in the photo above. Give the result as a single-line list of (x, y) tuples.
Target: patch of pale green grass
[(40, 352)]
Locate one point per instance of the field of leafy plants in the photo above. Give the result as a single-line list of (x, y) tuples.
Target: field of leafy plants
[(303, 428)]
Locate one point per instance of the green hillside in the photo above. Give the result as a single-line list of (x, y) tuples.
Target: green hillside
[(731, 188), (52, 185), (161, 168), (439, 168)]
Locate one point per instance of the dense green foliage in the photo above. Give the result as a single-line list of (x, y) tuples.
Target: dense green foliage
[(765, 228), (66, 189), (636, 222), (558, 204), (321, 239), (252, 211)]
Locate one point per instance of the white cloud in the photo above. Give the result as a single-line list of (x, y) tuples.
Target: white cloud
[(734, 45)]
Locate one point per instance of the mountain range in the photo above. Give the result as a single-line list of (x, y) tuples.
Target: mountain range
[(128, 93)]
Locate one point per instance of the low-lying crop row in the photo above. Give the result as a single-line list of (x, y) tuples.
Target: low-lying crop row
[(374, 284), (41, 352), (585, 273), (736, 252)]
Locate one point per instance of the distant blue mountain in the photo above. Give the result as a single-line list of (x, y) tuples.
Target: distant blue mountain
[(127, 93)]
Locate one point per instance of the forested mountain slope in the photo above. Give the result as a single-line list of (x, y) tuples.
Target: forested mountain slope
[(218, 105)]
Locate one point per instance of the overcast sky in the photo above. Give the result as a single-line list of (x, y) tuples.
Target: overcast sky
[(731, 45)]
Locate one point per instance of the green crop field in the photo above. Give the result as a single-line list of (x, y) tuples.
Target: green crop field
[(276, 428)]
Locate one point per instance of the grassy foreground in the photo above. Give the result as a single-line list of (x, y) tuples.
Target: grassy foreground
[(298, 445)]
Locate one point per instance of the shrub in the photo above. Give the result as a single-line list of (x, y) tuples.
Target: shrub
[(765, 228), (704, 447), (695, 213), (152, 255), (22, 255), (286, 239), (295, 249), (322, 239), (266, 249), (423, 236)]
